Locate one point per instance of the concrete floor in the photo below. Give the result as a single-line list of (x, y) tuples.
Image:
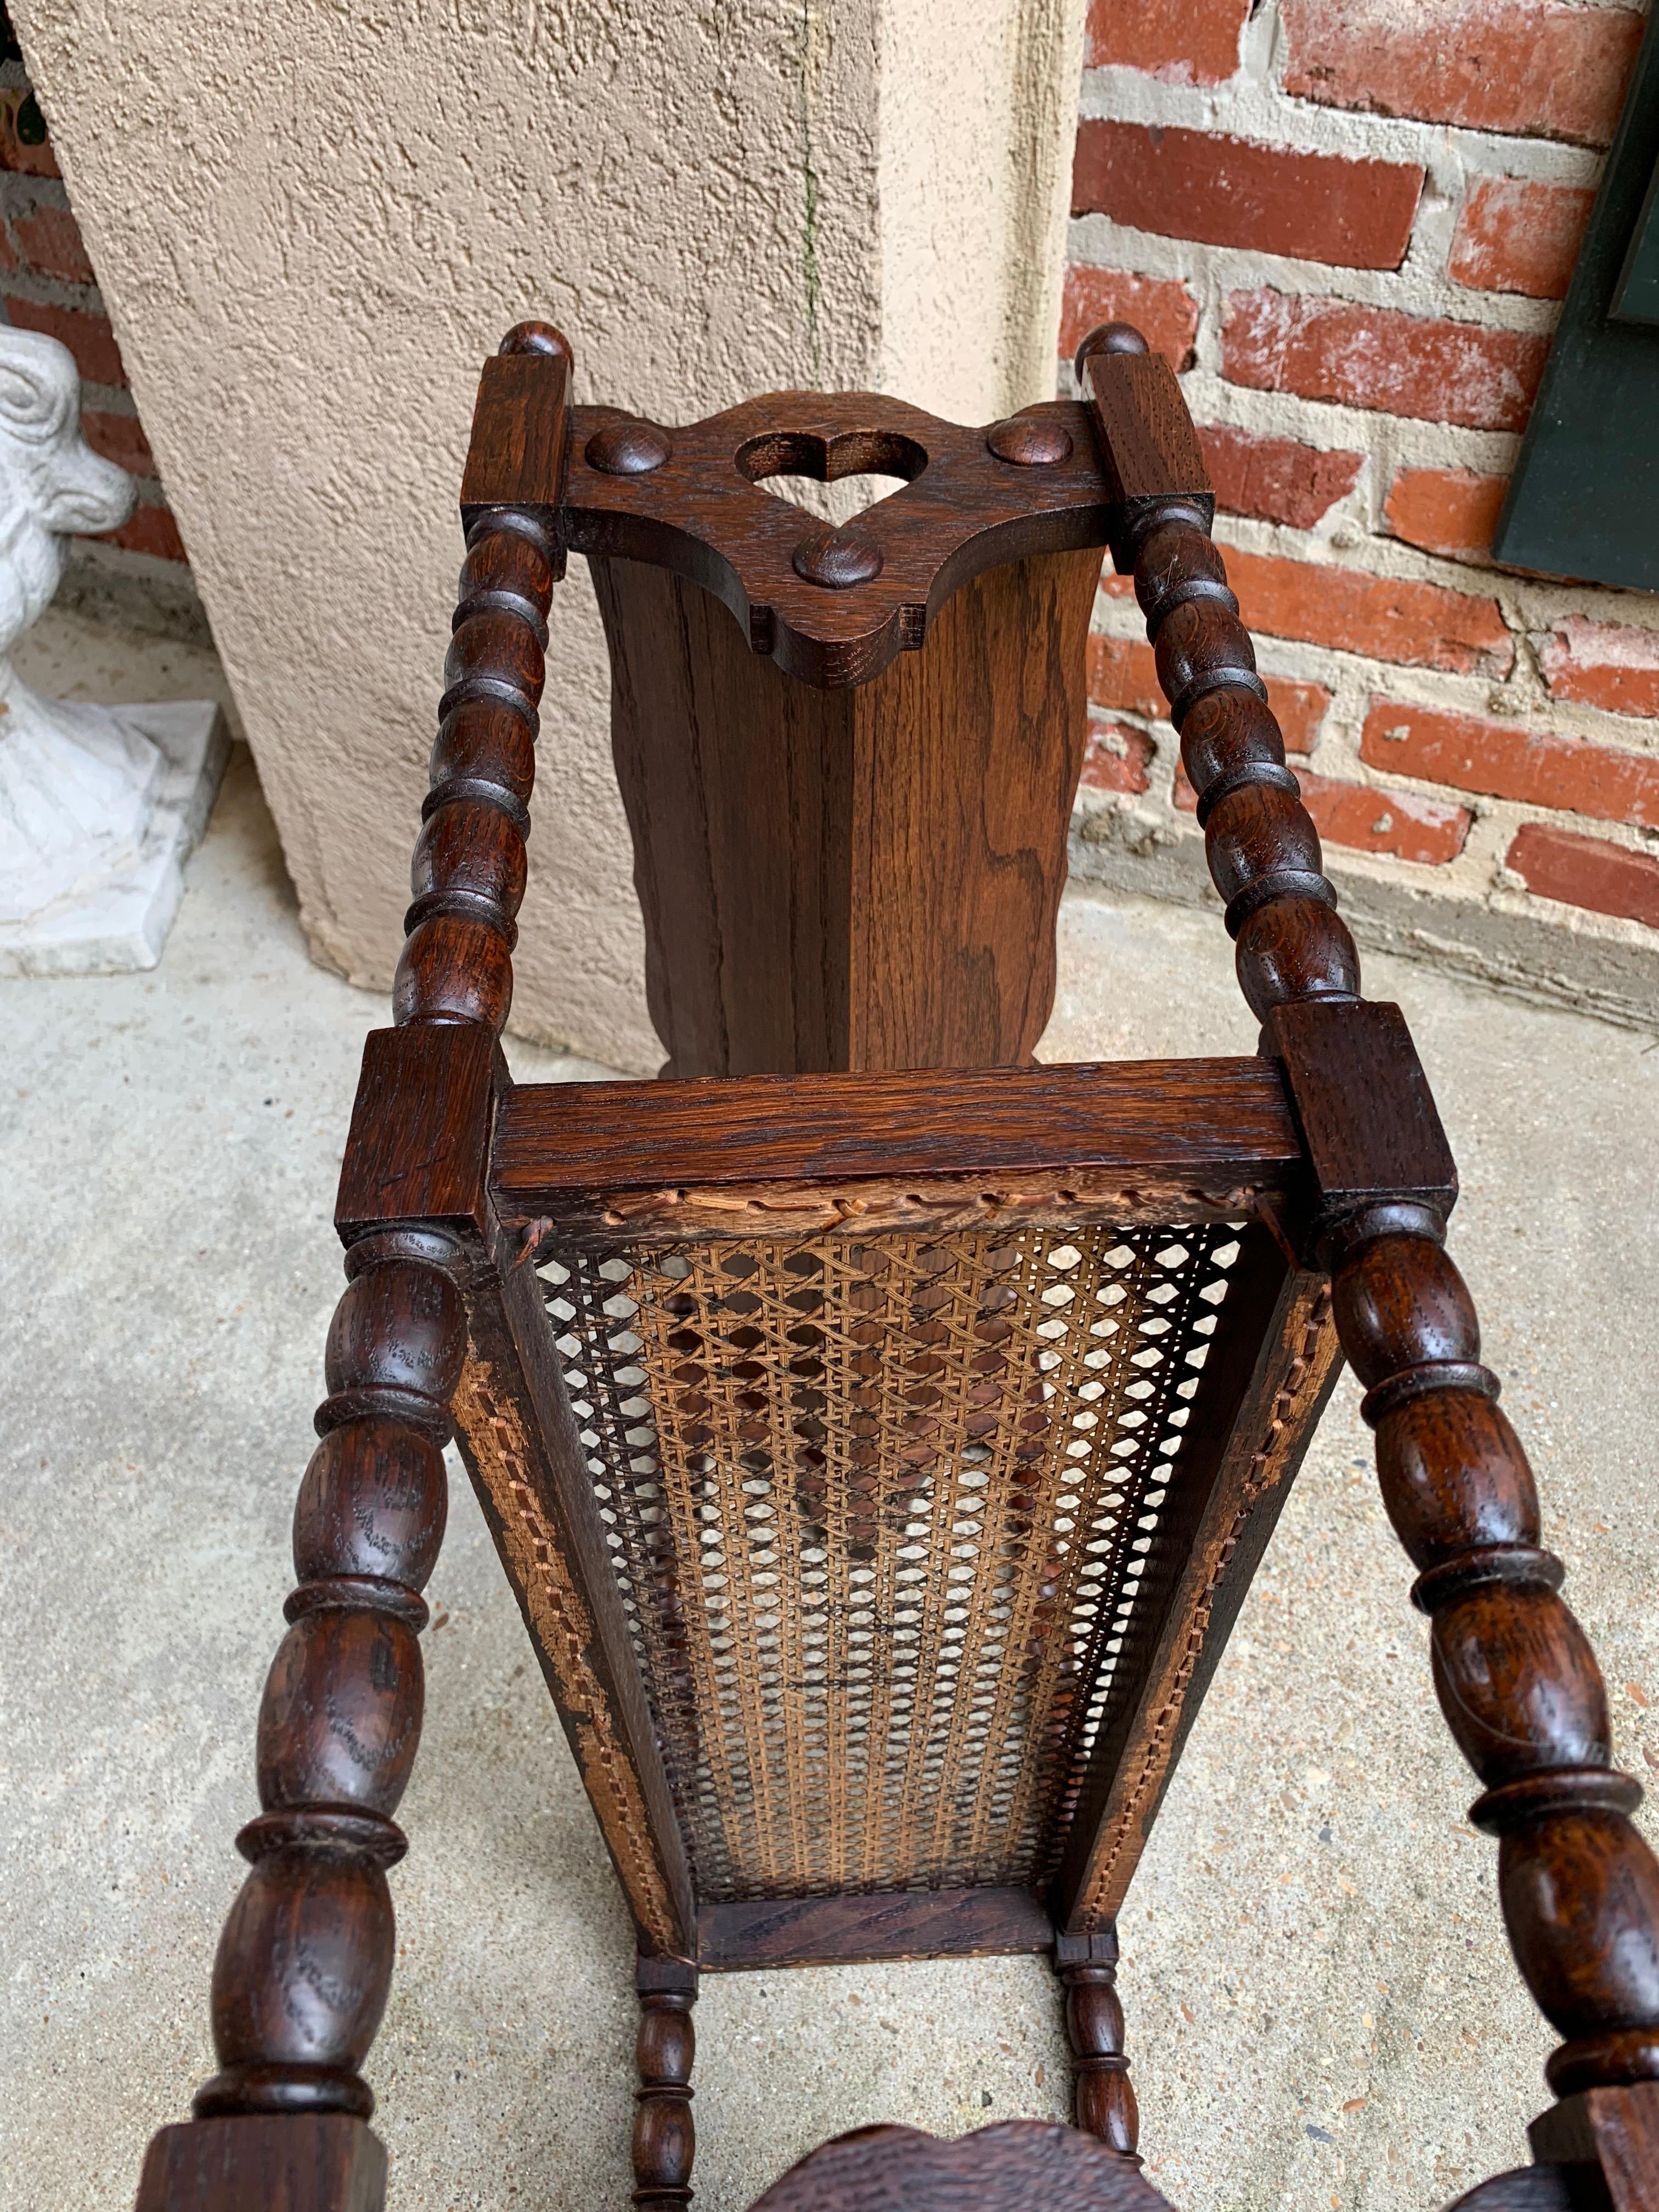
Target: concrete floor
[(1321, 2005)]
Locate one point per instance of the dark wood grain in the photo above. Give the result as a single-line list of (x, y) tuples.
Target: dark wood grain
[(1228, 1121), (303, 1969), (1021, 2165), (418, 1145), (1103, 2100), (1272, 1365), (1193, 1141), (1149, 449), (705, 514), (1517, 1680), (317, 2162), (665, 2143), (1262, 847), (468, 870), (738, 785), (1517, 1683), (847, 1931), (519, 453), (863, 878), (1609, 2136), (304, 1966), (1363, 1105), (966, 766), (519, 1440), (850, 861), (1528, 2188)]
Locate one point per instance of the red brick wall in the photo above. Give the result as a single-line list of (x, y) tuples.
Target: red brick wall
[(46, 284), (1350, 223)]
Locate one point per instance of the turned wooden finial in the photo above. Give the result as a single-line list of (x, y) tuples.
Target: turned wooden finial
[(1109, 337), (1103, 2098), (664, 2134), (537, 337)]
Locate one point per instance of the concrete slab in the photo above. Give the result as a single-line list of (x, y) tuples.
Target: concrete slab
[(1321, 2006)]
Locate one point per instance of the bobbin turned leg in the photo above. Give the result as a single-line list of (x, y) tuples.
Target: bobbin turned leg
[(665, 2134), (1517, 1680), (304, 1964), (1102, 2096)]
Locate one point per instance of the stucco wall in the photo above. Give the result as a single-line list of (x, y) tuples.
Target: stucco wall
[(308, 230)]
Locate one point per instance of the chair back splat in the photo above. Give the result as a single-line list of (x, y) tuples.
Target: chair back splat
[(881, 1437)]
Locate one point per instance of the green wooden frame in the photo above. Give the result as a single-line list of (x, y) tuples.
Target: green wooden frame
[(1586, 487)]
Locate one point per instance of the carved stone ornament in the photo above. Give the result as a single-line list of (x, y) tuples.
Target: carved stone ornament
[(99, 805)]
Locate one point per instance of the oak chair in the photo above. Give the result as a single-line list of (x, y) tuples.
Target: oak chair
[(880, 1430)]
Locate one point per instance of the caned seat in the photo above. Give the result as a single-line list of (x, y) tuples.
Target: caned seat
[(880, 1430), (931, 1426)]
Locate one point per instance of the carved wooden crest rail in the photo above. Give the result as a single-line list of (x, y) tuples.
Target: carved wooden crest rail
[(881, 1437)]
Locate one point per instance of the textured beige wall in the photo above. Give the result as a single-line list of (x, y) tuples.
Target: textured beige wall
[(310, 226), (974, 136)]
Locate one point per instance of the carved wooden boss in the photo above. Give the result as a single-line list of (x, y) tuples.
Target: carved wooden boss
[(880, 1455)]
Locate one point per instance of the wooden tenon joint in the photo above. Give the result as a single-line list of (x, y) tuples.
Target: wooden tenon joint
[(1515, 1676), (520, 453), (1149, 451), (305, 1962), (1605, 2144), (1371, 1132)]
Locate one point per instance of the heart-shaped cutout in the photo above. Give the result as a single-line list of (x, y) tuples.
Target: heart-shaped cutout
[(839, 500)]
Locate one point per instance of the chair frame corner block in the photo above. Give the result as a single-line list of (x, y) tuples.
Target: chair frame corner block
[(848, 757)]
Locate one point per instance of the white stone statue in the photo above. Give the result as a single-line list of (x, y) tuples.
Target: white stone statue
[(99, 805)]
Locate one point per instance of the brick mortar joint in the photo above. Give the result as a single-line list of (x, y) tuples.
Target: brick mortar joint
[(23, 194), (1386, 441), (43, 291), (1166, 861), (1528, 606), (1355, 687), (1419, 287), (1256, 105), (1355, 679), (1494, 821)]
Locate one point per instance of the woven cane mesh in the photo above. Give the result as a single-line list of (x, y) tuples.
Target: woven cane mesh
[(882, 1514)]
